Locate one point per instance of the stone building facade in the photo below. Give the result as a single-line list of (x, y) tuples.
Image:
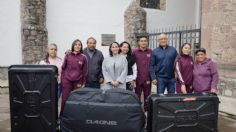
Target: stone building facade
[(219, 38), (218, 27), (3, 77)]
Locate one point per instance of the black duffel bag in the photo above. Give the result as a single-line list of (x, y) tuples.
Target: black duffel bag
[(95, 110)]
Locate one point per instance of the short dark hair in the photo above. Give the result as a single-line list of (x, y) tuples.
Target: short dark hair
[(92, 39), (73, 44), (141, 36), (200, 50), (130, 50), (110, 52)]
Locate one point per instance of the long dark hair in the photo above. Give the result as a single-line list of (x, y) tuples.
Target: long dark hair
[(130, 50), (47, 54), (129, 58), (74, 43), (110, 52)]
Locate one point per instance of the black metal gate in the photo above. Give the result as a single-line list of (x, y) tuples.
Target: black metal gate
[(176, 37)]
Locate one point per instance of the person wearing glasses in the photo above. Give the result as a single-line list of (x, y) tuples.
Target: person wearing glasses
[(205, 73)]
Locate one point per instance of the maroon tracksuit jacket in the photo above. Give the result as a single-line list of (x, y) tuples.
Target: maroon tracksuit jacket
[(74, 73), (143, 82), (184, 72)]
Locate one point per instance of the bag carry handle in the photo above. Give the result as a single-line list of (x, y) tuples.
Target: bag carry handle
[(188, 94)]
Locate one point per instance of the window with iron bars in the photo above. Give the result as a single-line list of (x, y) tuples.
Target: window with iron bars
[(154, 4)]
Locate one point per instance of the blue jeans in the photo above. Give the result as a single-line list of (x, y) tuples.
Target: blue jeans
[(165, 83), (94, 84)]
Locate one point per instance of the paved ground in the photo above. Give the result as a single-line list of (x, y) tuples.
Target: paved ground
[(4, 113), (226, 124)]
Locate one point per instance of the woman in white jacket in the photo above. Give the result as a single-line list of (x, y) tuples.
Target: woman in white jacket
[(114, 68)]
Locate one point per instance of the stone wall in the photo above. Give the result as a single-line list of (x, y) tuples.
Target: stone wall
[(3, 77), (33, 30), (219, 37), (227, 84), (218, 24), (135, 22)]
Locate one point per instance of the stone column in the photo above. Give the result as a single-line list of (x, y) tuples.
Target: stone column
[(218, 25), (3, 78), (135, 22), (34, 34)]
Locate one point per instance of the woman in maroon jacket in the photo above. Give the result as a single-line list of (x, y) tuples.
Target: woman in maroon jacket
[(184, 70), (74, 70)]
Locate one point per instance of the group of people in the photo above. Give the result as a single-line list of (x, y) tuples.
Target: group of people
[(133, 70)]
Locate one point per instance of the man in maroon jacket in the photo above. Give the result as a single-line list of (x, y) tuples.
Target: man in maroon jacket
[(142, 57)]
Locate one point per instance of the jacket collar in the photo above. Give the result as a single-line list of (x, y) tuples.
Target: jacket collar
[(86, 49), (164, 48), (142, 50)]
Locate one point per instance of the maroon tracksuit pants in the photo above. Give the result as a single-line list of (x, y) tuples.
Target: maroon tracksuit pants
[(144, 87), (67, 87)]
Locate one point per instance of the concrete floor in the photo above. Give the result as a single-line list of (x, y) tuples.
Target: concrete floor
[(225, 123), (4, 113)]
